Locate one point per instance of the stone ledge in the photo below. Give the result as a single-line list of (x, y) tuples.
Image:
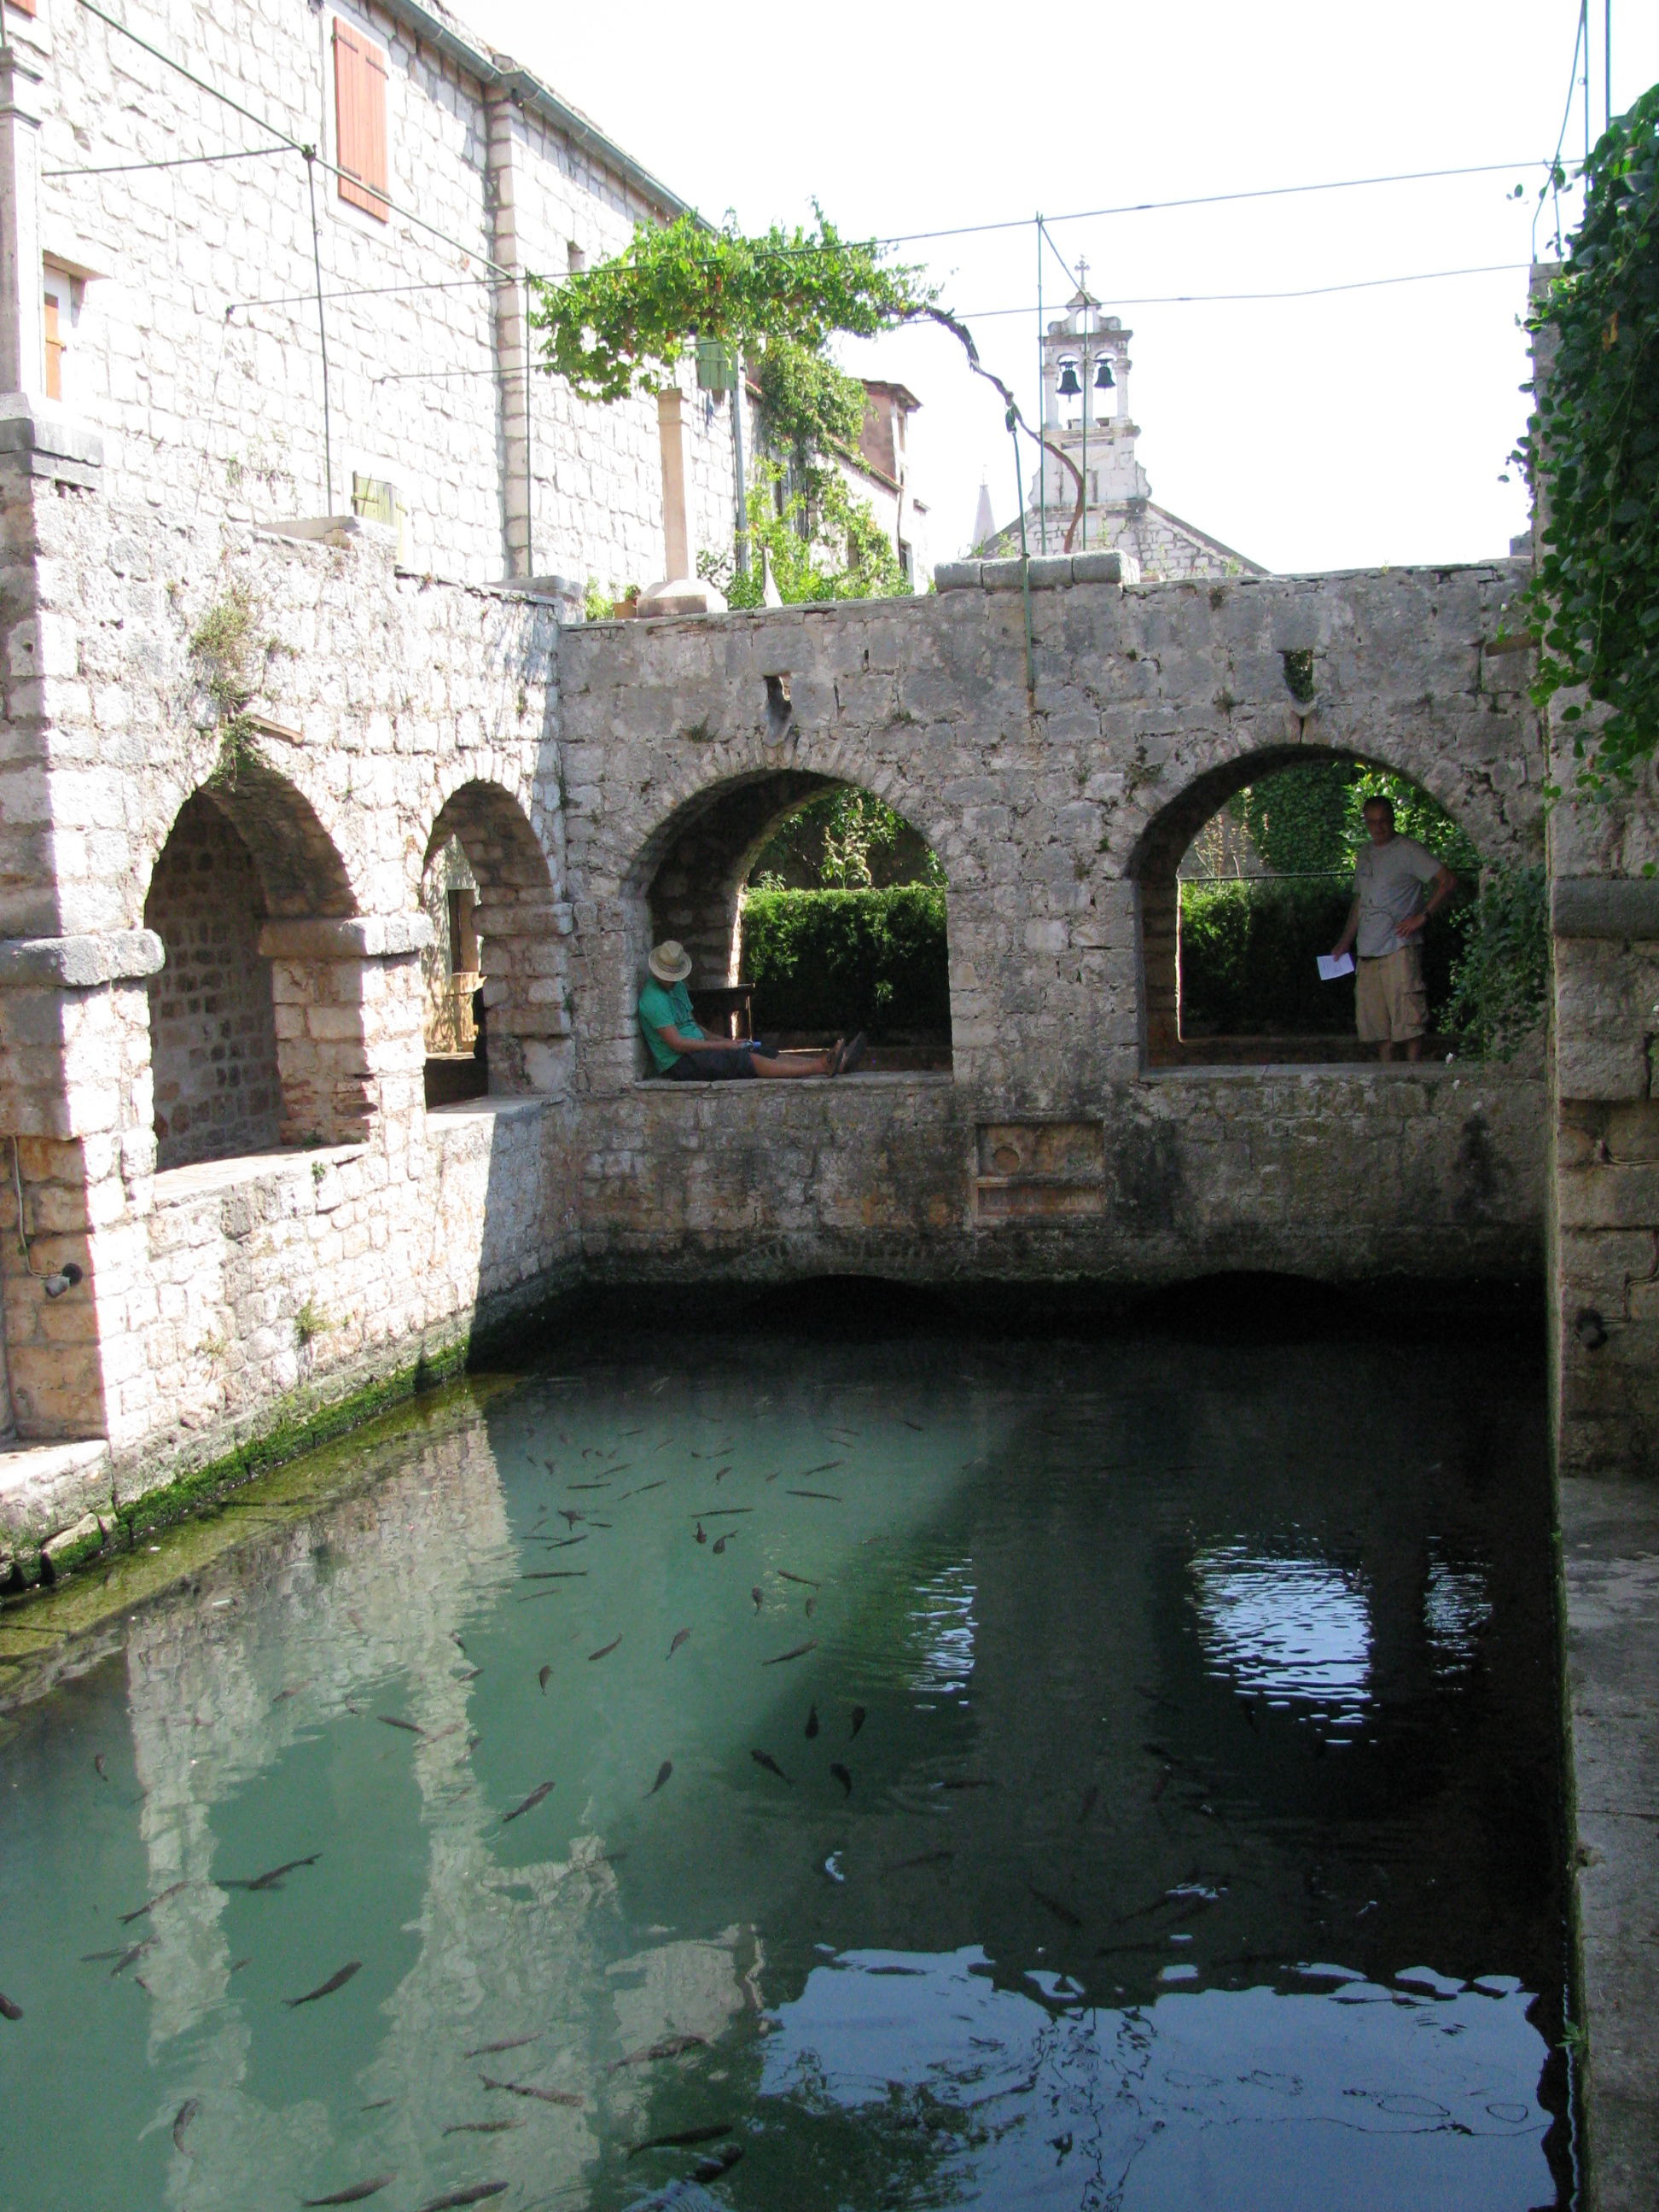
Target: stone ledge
[(875, 1078), (45, 1487), (1047, 572), (78, 964), (364, 937), (210, 1178), (64, 453), (1619, 907)]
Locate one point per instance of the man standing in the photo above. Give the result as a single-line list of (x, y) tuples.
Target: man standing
[(679, 1050), (1387, 917)]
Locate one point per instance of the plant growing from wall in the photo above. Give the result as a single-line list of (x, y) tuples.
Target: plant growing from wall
[(818, 544), (231, 658), (1591, 452)]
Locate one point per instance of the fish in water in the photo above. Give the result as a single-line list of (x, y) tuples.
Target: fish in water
[(555, 1575), (663, 1773), (1061, 1912), (543, 1677), (390, 1720), (799, 1652), (544, 2096), (756, 1595), (337, 1980), (916, 1425), (161, 1898), (453, 2199), (357, 2193), (529, 1804), (842, 1776), (922, 1859), (8, 2008), (828, 1496), (810, 1607), (92, 1957), (812, 1727), (605, 1649), (721, 1542), (684, 2138), (511, 2043), (381, 2104), (638, 1492), (590, 1485), (822, 1467), (272, 1878), (671, 2047), (702, 1533), (182, 2118), (482, 2127), (560, 1543), (721, 1473), (805, 1581), (470, 1675), (683, 1636), (765, 1758), (858, 1718), (968, 1782), (102, 1766), (127, 1957), (710, 2169), (570, 1518)]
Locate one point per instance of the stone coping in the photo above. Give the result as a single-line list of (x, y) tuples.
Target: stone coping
[(30, 1470), (1439, 1071), (178, 1186), (489, 1107), (936, 1078)]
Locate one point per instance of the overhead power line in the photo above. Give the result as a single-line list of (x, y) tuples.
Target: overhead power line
[(177, 161), (1300, 292)]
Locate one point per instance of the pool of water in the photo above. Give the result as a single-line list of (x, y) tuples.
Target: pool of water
[(936, 1772)]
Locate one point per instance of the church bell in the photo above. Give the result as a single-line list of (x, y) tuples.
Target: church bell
[(1069, 387)]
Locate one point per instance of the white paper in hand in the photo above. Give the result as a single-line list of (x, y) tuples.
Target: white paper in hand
[(1331, 965)]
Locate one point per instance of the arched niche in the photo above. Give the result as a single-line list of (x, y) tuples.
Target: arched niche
[(1155, 866), (251, 1048), (482, 841)]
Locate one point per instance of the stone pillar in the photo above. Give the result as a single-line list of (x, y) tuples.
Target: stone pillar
[(682, 591), (513, 358), (75, 1112), (527, 1016), (349, 1045), (22, 363)]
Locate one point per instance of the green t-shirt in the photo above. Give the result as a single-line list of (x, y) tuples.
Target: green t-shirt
[(662, 1007)]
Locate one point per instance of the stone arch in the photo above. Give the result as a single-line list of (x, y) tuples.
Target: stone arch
[(1156, 856), (255, 1030), (521, 925)]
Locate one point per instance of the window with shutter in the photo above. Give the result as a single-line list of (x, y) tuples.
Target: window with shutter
[(54, 348), (360, 119)]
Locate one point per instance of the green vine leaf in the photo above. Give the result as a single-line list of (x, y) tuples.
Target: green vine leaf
[(1591, 452)]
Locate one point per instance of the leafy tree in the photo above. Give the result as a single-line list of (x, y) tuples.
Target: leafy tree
[(1591, 451)]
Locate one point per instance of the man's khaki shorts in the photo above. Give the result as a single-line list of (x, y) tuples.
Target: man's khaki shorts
[(1389, 1000)]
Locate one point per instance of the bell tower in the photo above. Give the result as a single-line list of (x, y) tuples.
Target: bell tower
[(1085, 411)]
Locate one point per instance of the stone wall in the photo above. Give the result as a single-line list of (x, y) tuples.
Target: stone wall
[(594, 777)]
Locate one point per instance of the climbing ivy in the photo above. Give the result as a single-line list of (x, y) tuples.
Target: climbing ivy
[(1501, 978), (1591, 451), (820, 542), (622, 326)]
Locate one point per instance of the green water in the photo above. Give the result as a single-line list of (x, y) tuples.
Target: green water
[(1198, 1846)]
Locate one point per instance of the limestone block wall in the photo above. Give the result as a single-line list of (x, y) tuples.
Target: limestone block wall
[(193, 345)]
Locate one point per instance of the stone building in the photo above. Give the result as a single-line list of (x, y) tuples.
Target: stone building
[(1085, 415)]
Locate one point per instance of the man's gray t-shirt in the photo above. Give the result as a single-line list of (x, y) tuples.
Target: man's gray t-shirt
[(1389, 880)]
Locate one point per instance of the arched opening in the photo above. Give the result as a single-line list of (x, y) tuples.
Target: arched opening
[(496, 1017), (810, 908), (256, 1038), (1247, 878)]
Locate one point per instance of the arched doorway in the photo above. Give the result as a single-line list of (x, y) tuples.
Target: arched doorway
[(255, 1033), (1245, 880), (810, 908)]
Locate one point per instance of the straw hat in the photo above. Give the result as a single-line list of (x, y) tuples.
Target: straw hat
[(669, 961)]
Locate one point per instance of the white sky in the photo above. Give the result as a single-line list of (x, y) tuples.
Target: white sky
[(1367, 427)]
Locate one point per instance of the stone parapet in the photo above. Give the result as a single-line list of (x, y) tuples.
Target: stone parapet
[(80, 962)]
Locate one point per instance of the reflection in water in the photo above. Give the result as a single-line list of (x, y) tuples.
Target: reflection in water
[(1286, 1629), (1040, 1891)]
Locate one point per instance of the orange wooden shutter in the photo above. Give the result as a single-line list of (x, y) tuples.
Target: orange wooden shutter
[(54, 349), (23, 7), (360, 119)]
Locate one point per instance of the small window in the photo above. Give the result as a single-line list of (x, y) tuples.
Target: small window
[(59, 305), (463, 936), (906, 561), (375, 500), (360, 119)]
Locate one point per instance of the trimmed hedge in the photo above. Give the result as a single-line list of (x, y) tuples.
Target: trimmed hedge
[(844, 960), (1246, 959)]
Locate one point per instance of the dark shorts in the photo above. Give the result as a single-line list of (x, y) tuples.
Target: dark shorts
[(735, 1066)]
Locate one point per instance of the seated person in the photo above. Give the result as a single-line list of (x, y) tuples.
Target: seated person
[(679, 1050)]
